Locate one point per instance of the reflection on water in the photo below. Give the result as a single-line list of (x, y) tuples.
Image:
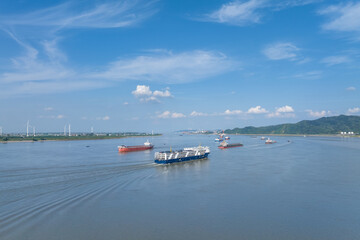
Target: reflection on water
[(298, 188)]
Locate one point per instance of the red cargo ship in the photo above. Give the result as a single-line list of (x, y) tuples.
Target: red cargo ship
[(269, 141), (147, 145)]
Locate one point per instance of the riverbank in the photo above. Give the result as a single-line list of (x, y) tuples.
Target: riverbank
[(297, 135), (16, 139)]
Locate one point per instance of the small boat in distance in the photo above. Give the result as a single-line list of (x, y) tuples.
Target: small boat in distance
[(269, 141), (187, 154), (263, 138), (227, 138), (224, 145), (147, 145)]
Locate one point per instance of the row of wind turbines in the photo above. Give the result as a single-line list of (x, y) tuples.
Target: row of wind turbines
[(67, 130), (66, 133)]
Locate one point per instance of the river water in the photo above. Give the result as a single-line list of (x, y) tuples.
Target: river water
[(298, 188)]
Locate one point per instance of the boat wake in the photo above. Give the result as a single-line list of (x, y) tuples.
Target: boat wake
[(28, 197)]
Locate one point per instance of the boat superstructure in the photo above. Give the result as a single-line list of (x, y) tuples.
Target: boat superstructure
[(187, 154), (269, 141), (225, 144)]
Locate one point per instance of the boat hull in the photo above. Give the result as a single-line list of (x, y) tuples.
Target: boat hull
[(184, 159), (230, 146), (135, 148)]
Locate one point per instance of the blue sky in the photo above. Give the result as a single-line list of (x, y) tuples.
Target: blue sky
[(169, 65)]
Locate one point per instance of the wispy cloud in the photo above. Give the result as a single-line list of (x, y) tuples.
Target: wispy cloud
[(318, 114), (237, 13), (310, 75), (30, 68), (242, 13), (105, 118), (353, 110), (232, 112), (144, 93), (169, 67), (168, 114), (283, 112), (342, 17), (31, 75), (334, 60), (111, 14), (60, 116), (198, 114), (351, 88), (44, 69), (281, 51), (48, 108)]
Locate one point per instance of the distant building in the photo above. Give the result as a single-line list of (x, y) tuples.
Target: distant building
[(347, 133)]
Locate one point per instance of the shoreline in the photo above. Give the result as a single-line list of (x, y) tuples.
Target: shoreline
[(296, 135), (77, 139)]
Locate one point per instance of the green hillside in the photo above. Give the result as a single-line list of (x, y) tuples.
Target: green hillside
[(325, 125)]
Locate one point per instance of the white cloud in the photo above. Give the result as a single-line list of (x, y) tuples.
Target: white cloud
[(146, 95), (141, 91), (351, 88), (105, 118), (126, 103), (112, 14), (353, 110), (168, 114), (237, 13), (333, 60), (343, 17), (165, 93), (48, 108), (282, 112), (285, 109), (281, 51), (257, 110), (168, 67), (318, 114), (198, 114), (232, 112), (177, 115)]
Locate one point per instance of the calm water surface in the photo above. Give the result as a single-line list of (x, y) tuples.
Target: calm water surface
[(308, 188)]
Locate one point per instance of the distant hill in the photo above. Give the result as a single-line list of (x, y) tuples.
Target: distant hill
[(325, 125)]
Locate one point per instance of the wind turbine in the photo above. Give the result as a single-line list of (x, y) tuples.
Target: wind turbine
[(27, 128)]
